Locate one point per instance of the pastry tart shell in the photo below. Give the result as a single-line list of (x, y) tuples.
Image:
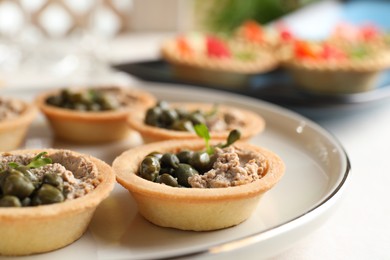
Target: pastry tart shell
[(194, 209), (38, 229), (91, 127), (344, 77), (253, 124)]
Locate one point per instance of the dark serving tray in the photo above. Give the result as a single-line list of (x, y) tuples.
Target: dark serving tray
[(276, 87)]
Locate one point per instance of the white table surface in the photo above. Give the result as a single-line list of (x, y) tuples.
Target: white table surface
[(360, 227)]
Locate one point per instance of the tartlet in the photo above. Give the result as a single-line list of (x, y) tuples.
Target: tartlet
[(197, 209), (13, 129), (339, 64), (37, 229), (252, 123), (94, 127), (213, 60)]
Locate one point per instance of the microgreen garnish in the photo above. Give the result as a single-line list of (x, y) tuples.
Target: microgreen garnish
[(212, 112), (202, 131), (38, 161)]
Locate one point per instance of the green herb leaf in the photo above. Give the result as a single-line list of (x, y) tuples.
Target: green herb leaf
[(13, 165), (202, 131), (39, 161)]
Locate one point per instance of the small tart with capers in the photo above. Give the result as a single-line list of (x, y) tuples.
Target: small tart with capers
[(94, 114), (15, 118), (167, 121), (48, 198), (193, 198)]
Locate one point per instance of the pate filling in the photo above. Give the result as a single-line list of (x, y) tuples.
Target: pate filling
[(10, 108), (232, 167), (80, 176)]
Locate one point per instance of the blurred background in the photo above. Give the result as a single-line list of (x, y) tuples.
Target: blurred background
[(64, 37), (67, 41)]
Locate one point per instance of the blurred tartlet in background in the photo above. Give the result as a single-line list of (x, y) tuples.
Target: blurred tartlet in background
[(175, 121), (92, 114), (350, 60), (216, 60), (15, 118)]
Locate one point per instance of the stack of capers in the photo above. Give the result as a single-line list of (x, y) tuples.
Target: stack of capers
[(21, 188), (163, 116), (84, 100), (175, 169)]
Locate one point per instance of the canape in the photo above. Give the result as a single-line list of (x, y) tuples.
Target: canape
[(166, 121), (92, 115), (48, 198), (214, 60), (346, 62), (223, 197)]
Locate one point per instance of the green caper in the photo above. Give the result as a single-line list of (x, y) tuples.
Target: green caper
[(80, 107), (54, 180), (17, 185), (109, 103), (26, 202), (200, 161), (183, 125), (168, 117), (76, 97), (184, 156), (182, 113), (153, 116), (94, 107), (31, 176), (197, 118), (234, 135), (10, 201), (167, 170), (66, 95), (150, 168), (54, 101), (156, 154), (162, 104), (168, 180), (169, 160), (183, 172), (47, 194)]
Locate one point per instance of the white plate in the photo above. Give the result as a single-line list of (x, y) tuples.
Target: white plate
[(317, 168)]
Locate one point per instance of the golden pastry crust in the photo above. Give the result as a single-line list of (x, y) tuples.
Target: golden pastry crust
[(92, 127), (38, 229), (14, 130), (197, 209), (253, 124)]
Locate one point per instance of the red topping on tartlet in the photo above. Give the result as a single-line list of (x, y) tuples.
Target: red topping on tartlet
[(183, 46), (284, 32), (318, 51), (216, 48), (252, 31)]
